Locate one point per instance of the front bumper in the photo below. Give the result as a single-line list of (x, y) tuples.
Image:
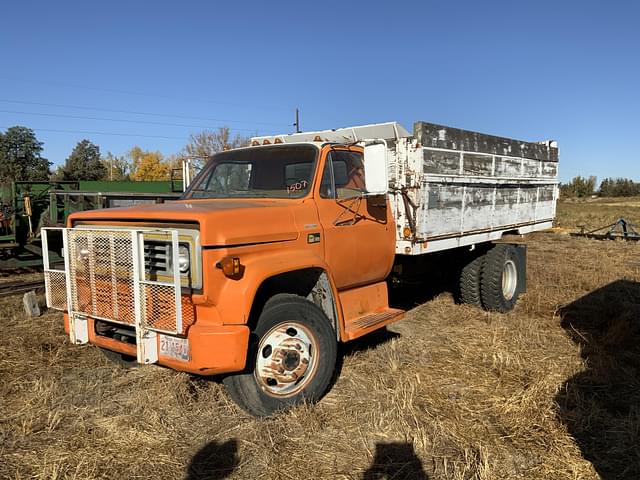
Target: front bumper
[(213, 349)]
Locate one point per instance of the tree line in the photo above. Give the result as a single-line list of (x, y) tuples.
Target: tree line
[(21, 158), (609, 187)]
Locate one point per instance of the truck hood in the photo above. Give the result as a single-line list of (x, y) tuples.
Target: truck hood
[(223, 222)]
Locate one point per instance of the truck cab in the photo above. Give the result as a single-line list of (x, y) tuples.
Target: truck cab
[(288, 228)]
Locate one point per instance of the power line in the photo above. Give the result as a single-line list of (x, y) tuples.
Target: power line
[(82, 117), (133, 112), (89, 132), (142, 94)]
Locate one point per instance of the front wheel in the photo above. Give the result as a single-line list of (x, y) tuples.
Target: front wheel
[(291, 358)]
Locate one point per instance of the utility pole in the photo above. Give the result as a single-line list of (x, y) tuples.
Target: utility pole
[(297, 122)]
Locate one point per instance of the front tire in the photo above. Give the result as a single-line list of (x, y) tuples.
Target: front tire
[(500, 280), (291, 358)]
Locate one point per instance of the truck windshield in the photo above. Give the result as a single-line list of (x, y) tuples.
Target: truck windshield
[(261, 172)]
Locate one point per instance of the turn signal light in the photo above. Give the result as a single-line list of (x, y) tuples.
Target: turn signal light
[(406, 232), (231, 267)]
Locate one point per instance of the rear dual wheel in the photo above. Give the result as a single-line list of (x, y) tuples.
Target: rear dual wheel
[(470, 282), (291, 358), (500, 281), (492, 280)]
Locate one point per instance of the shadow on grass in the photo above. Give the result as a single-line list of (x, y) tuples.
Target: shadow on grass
[(601, 405), (410, 296), (395, 460), (214, 461), (370, 341)]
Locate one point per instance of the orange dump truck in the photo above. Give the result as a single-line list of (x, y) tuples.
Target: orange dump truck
[(279, 251)]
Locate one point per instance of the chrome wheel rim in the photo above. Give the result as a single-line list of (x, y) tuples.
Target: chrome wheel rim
[(509, 279), (286, 359)]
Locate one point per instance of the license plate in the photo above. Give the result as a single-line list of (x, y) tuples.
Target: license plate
[(174, 347)]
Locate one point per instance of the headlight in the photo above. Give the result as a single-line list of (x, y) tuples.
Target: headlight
[(83, 254), (184, 261)]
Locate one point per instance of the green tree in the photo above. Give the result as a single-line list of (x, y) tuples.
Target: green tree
[(21, 156), (606, 187), (619, 187), (84, 163), (578, 187)]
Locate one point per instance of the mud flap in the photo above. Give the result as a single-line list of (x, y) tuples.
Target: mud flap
[(521, 253)]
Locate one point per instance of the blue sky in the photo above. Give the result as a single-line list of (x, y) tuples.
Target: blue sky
[(530, 70)]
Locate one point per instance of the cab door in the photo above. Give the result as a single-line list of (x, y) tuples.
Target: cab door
[(358, 230)]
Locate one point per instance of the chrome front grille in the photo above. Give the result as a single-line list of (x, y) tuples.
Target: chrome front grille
[(157, 257)]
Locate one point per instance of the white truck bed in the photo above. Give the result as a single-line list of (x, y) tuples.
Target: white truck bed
[(450, 187)]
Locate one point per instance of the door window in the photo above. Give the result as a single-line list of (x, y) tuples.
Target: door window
[(343, 175)]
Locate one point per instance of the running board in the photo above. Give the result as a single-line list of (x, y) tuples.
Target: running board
[(368, 323)]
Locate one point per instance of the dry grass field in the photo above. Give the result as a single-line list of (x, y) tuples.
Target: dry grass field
[(594, 213), (548, 391)]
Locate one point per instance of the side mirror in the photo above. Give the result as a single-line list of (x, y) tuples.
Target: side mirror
[(375, 168)]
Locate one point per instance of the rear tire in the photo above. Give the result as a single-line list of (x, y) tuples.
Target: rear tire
[(291, 358), (500, 279), (470, 279)]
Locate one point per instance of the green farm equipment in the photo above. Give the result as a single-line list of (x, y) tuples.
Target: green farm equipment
[(25, 207)]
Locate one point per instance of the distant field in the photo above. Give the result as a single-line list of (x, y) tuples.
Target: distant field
[(594, 213), (549, 391)]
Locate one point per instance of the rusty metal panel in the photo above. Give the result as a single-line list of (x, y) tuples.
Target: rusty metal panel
[(440, 136), (508, 166), (444, 206), (546, 202), (531, 168), (526, 204), (441, 161), (462, 207), (478, 207), (506, 205), (550, 169), (477, 186), (475, 164)]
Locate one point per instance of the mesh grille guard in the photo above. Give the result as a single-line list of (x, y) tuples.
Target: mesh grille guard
[(106, 276)]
